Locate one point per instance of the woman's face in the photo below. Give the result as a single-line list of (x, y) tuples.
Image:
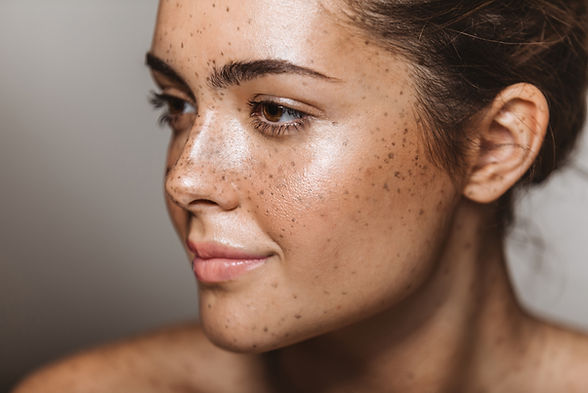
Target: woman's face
[(294, 144)]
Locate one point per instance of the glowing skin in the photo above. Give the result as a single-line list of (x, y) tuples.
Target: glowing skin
[(348, 206), (371, 249), (319, 228)]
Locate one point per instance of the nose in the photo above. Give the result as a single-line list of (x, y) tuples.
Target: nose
[(199, 179)]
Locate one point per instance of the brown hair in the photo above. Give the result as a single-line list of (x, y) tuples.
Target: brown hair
[(465, 52)]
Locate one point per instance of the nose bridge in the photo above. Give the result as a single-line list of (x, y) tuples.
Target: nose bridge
[(203, 171)]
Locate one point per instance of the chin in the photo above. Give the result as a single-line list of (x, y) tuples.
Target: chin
[(243, 339)]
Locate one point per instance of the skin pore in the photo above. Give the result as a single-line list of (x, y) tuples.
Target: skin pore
[(296, 137)]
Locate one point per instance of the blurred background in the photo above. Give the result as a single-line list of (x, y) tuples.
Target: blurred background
[(87, 253)]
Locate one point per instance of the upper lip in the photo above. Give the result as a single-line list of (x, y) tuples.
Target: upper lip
[(212, 250)]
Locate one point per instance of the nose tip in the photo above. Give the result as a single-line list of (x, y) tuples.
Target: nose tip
[(193, 186)]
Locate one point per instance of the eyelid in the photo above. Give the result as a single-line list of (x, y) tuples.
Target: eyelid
[(290, 103), (178, 94), (167, 85)]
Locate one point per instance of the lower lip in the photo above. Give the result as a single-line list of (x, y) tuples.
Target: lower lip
[(217, 270)]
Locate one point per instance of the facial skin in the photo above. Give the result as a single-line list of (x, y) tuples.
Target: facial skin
[(348, 205)]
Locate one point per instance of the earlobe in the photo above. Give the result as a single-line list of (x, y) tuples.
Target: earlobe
[(510, 135)]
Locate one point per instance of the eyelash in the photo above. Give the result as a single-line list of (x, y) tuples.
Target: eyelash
[(258, 121), (276, 129), (159, 101)]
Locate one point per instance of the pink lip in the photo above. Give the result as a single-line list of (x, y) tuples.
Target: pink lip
[(214, 262)]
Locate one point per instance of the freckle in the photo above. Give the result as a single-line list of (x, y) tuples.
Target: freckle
[(294, 296), (354, 272), (385, 114), (335, 267), (254, 345), (227, 9), (297, 316), (209, 305), (274, 284), (213, 5), (386, 187), (265, 329)]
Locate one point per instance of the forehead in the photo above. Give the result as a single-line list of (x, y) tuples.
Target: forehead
[(305, 32)]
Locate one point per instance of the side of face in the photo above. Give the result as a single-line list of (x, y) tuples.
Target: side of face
[(347, 203)]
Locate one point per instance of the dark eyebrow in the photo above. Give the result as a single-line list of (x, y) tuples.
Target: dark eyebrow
[(234, 73), (156, 64)]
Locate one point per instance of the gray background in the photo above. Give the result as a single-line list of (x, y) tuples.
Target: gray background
[(86, 250)]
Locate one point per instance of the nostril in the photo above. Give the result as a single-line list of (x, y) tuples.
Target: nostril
[(203, 202)]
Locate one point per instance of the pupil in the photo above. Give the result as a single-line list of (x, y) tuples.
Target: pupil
[(176, 106)]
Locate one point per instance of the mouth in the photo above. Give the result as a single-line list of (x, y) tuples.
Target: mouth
[(216, 263)]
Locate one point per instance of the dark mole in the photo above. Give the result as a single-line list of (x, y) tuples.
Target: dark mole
[(227, 9), (391, 155)]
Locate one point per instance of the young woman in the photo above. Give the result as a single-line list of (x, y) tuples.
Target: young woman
[(340, 173)]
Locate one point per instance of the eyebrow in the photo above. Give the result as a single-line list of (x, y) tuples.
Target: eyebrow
[(156, 64), (236, 72)]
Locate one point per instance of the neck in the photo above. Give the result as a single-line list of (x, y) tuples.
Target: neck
[(460, 331)]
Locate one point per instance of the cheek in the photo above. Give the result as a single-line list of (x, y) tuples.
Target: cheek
[(355, 221)]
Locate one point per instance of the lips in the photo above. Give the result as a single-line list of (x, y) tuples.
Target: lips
[(215, 262)]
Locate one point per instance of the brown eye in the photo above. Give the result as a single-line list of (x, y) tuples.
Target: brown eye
[(272, 112), (177, 106)]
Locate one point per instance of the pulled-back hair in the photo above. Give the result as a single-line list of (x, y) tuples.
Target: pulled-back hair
[(465, 52)]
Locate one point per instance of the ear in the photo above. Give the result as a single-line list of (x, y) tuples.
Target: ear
[(509, 136)]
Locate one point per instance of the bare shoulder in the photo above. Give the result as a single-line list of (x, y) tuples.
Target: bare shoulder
[(178, 359), (564, 364)]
